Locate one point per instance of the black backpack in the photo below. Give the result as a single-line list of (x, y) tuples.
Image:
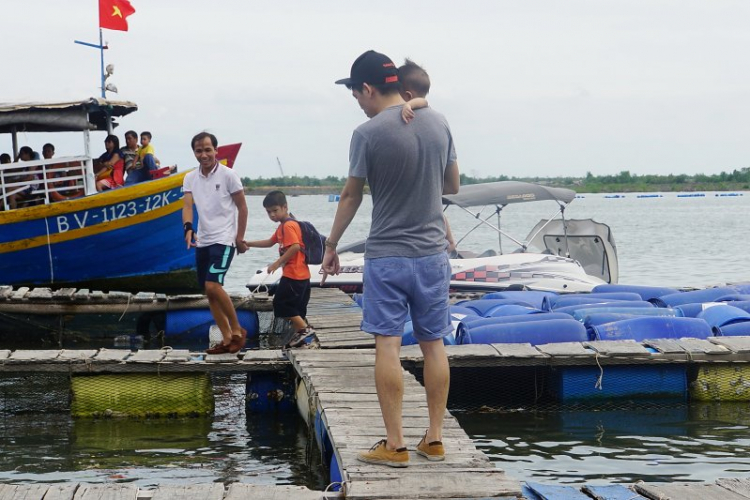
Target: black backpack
[(315, 243)]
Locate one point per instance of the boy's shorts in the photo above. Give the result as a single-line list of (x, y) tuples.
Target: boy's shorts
[(394, 286), (291, 298), (213, 263)]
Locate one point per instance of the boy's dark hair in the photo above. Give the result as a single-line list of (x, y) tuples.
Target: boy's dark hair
[(48, 145), (131, 133), (27, 150), (203, 135), (274, 199), (5, 158), (414, 78), (147, 134)]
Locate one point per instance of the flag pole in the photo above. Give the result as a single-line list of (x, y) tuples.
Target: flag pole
[(101, 58)]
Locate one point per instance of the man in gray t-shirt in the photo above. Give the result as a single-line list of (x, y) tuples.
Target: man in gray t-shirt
[(408, 168)]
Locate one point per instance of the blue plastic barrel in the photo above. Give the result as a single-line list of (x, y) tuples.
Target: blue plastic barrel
[(482, 306), (735, 329), (581, 314), (476, 321), (636, 383), (532, 298), (512, 310), (629, 304), (742, 304), (192, 325), (705, 295), (535, 332), (408, 337), (742, 287), (646, 292), (656, 327), (268, 392), (734, 297), (552, 303), (690, 310), (457, 311), (334, 474), (723, 315)]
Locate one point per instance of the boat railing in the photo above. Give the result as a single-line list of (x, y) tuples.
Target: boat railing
[(74, 172)]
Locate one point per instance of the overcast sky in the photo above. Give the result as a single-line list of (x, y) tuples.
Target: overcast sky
[(530, 88)]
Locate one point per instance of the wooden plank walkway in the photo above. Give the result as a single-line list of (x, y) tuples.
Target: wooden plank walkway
[(142, 361), (128, 491), (83, 301), (341, 387)]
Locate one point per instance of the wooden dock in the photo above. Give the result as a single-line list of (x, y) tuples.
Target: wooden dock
[(341, 388), (127, 491), (26, 300)]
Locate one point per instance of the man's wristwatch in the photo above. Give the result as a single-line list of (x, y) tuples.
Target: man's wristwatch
[(331, 244)]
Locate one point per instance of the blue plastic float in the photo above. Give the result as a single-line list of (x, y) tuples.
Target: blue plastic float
[(646, 292), (629, 304), (551, 303), (723, 315), (735, 329), (483, 306), (532, 298), (705, 295), (192, 325), (534, 333), (582, 314), (655, 327)]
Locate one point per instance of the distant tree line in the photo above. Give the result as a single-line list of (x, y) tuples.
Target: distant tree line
[(622, 182)]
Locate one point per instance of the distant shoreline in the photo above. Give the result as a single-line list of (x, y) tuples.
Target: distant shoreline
[(678, 188)]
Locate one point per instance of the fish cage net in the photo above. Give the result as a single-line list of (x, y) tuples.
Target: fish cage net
[(131, 395), (548, 388)]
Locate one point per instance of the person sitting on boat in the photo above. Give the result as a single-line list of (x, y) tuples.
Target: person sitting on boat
[(130, 158), (23, 194), (59, 190), (111, 164)]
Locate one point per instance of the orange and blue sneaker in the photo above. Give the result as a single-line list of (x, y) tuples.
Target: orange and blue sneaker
[(379, 454)]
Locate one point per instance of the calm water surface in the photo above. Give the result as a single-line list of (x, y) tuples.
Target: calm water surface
[(666, 241)]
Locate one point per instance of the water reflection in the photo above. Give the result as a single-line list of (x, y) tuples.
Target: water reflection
[(229, 447), (699, 442)]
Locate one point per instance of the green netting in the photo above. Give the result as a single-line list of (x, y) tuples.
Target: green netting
[(142, 395), (721, 383)]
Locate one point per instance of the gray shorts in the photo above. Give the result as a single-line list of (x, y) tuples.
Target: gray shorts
[(395, 287)]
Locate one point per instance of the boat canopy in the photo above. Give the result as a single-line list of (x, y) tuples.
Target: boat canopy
[(74, 116), (506, 192)]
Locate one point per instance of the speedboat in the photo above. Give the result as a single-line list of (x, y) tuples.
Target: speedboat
[(558, 255), (127, 239)]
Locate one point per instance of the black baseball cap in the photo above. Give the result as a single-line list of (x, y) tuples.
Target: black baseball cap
[(373, 68)]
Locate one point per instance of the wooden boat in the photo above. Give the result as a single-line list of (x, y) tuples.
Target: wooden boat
[(127, 239)]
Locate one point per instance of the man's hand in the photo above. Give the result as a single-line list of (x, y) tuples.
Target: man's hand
[(191, 239), (330, 264), (241, 245)]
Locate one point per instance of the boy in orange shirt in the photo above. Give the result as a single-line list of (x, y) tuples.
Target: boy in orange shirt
[(293, 292)]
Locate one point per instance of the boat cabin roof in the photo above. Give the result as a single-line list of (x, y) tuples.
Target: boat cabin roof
[(506, 192), (73, 116)]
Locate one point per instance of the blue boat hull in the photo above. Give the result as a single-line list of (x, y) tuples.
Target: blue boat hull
[(128, 239)]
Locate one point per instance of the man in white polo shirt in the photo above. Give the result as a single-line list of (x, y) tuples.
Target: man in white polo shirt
[(217, 193)]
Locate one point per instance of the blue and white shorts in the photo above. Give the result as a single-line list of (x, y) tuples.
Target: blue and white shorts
[(395, 287)]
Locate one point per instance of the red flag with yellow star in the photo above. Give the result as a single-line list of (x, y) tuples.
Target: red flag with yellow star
[(113, 14)]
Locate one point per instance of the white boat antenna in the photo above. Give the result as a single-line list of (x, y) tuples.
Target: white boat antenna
[(281, 169)]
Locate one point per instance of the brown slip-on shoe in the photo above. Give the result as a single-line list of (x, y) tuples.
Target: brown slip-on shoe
[(238, 342), (434, 451), (219, 349), (379, 454)]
